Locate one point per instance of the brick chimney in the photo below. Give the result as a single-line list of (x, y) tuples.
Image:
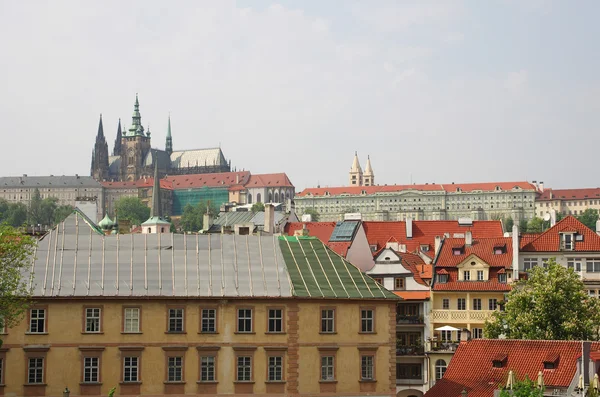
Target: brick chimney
[(269, 218), (515, 248), (409, 228), (468, 238)]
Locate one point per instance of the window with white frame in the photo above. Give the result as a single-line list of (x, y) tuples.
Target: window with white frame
[(442, 278), (37, 320), (275, 369), (209, 320), (567, 241), (446, 335), (130, 369), (92, 319), (480, 275), (476, 303), (502, 277), (275, 320), (91, 369), (131, 319), (327, 368), (244, 320), (592, 265), (176, 320), (462, 304), (244, 369), (440, 369), (529, 263), (367, 320), (35, 370), (175, 369), (466, 275), (367, 368), (492, 303), (328, 320), (477, 333), (574, 263), (207, 368)]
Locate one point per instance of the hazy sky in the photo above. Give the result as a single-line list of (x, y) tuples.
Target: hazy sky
[(460, 91)]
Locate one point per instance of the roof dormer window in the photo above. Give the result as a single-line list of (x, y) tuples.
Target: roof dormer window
[(499, 360), (567, 242), (443, 278), (458, 250), (424, 248), (551, 361), (499, 250)]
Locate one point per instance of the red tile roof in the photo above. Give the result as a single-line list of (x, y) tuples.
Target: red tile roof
[(420, 270), (549, 241), (569, 194), (341, 248), (267, 180), (454, 285), (472, 368), (453, 187), (140, 183), (320, 230), (413, 295), (221, 179), (483, 248)]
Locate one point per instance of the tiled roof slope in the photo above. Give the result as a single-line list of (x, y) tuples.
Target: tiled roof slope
[(424, 232), (472, 368), (482, 247), (148, 182), (449, 187), (549, 241), (569, 194), (266, 180), (220, 179), (420, 270), (316, 271), (50, 181), (320, 230)]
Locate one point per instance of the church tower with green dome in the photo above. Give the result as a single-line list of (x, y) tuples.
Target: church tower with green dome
[(135, 146)]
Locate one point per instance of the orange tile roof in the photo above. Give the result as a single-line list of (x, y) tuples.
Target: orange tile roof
[(140, 183), (569, 194), (482, 247), (341, 248), (452, 187), (471, 366), (549, 241), (220, 179), (266, 180), (320, 230), (413, 295), (420, 270)]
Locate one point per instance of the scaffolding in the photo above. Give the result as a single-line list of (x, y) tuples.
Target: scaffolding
[(181, 198)]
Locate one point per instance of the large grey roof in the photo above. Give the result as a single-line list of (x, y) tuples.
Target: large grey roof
[(75, 260), (198, 157), (259, 218), (114, 165), (48, 181), (163, 159)]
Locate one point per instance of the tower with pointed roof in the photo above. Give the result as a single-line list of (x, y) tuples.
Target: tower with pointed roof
[(99, 169), (156, 223), (369, 175), (356, 174), (169, 143), (135, 147), (117, 148)]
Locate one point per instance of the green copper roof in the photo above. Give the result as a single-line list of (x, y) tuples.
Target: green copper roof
[(155, 220), (317, 271), (106, 222)]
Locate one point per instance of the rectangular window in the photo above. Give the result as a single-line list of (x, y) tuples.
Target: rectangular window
[(328, 320), (575, 264), (399, 283), (92, 319), (175, 320), (467, 275), (446, 335), (502, 278), (367, 320), (446, 304), (35, 370), (327, 368), (244, 369), (131, 319), (492, 304), (2, 330), (462, 304), (209, 320), (408, 371), (91, 369), (567, 242), (366, 368), (477, 333), (207, 368), (275, 320), (529, 263), (37, 321), (175, 369), (244, 320), (443, 278), (592, 265), (275, 368), (130, 369), (479, 275), (378, 280), (476, 304)]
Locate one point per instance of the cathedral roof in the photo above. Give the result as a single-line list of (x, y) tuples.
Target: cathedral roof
[(48, 181), (197, 157)]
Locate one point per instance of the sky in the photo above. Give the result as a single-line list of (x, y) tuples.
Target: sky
[(433, 91)]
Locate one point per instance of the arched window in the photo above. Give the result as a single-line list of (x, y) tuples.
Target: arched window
[(249, 198), (149, 230), (276, 197), (440, 369), (270, 197), (162, 229), (287, 196), (258, 198)]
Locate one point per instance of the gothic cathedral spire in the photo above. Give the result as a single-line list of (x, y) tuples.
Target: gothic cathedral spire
[(356, 174), (169, 143), (99, 168), (369, 175), (117, 147)]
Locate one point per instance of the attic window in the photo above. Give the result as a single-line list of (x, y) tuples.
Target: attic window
[(499, 250), (424, 248), (566, 241), (499, 360), (579, 237), (551, 361), (458, 250), (373, 248), (443, 278)]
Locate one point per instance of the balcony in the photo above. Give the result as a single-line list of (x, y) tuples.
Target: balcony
[(405, 319), (460, 316), (442, 346), (410, 350), (410, 381)]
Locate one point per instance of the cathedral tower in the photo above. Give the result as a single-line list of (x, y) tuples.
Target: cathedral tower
[(169, 143), (356, 174), (369, 175), (135, 146), (99, 170), (117, 148)]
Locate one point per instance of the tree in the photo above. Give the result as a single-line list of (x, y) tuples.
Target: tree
[(192, 219), (61, 213), (559, 216), (508, 225), (535, 225), (523, 225), (16, 215), (524, 388), (47, 209), (34, 216), (258, 207), (551, 304), (133, 210), (589, 218), (313, 213), (16, 250)]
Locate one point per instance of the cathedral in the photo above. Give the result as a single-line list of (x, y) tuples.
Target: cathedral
[(134, 158)]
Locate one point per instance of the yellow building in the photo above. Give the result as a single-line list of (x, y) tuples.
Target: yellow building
[(471, 278), (217, 315), (567, 201)]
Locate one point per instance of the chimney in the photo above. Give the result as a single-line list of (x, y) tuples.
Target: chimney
[(468, 238), (409, 226), (207, 221), (465, 335), (269, 218), (542, 186), (237, 179), (515, 247), (437, 244)]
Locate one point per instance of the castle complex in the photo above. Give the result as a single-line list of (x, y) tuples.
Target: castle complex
[(134, 158)]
